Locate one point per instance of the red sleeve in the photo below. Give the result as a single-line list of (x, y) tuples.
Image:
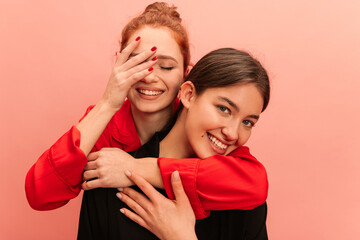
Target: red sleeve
[(56, 176), (236, 181)]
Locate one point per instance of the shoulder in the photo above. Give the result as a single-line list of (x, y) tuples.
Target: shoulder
[(121, 131), (122, 124)]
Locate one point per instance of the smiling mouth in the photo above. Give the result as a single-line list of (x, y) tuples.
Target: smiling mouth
[(217, 143), (150, 92)]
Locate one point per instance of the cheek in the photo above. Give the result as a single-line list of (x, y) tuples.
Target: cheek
[(173, 80), (200, 122), (209, 118), (244, 137), (177, 83), (197, 141), (194, 125), (191, 123), (131, 92), (201, 117)]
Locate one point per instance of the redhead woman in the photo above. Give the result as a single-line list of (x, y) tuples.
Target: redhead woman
[(223, 98), (148, 71)]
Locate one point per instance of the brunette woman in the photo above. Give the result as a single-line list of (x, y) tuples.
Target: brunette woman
[(222, 100)]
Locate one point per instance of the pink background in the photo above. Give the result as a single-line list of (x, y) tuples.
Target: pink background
[(56, 56)]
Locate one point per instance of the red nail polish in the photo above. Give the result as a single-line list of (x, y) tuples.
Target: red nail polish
[(150, 69), (154, 58), (153, 49), (137, 39)]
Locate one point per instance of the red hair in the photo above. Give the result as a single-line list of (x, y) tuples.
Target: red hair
[(157, 15)]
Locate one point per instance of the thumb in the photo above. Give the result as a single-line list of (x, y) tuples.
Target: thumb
[(177, 186)]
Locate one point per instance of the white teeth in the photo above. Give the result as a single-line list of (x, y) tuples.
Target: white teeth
[(217, 143), (149, 92)]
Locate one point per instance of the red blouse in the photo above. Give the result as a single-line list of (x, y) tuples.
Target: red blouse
[(236, 181)]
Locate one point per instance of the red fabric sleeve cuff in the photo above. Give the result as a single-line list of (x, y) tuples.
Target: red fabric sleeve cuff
[(67, 159), (188, 169), (56, 177)]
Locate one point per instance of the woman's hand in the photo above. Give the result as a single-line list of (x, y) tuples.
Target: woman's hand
[(108, 166), (167, 219), (128, 69), (106, 169)]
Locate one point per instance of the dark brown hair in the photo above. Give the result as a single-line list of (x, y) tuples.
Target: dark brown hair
[(160, 15), (228, 66)]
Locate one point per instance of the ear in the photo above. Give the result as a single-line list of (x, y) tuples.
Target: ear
[(187, 93)]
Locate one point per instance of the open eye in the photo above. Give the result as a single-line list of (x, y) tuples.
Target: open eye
[(248, 123), (223, 109)]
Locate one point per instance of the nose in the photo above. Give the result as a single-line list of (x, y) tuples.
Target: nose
[(231, 131), (150, 78)]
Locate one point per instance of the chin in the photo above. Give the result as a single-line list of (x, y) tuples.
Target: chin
[(204, 155), (149, 109)]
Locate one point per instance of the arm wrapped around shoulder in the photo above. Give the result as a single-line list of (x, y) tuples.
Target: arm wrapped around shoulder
[(236, 181)]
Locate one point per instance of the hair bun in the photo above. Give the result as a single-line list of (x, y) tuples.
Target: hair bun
[(163, 9)]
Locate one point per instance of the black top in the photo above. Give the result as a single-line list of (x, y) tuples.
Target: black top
[(100, 216)]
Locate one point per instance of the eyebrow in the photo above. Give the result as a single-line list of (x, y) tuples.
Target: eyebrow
[(231, 103), (161, 56)]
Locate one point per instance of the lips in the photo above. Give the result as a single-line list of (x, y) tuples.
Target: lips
[(150, 92), (217, 143)]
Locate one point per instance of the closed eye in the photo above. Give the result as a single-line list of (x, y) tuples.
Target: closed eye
[(167, 68)]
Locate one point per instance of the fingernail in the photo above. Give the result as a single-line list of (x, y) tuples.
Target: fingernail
[(127, 173), (153, 49), (137, 39), (154, 58), (150, 69), (119, 195), (120, 189), (122, 211), (176, 175)]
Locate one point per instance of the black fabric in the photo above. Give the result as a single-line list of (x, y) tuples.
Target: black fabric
[(100, 216)]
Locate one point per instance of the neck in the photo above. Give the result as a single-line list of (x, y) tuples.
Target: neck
[(176, 144), (148, 123)]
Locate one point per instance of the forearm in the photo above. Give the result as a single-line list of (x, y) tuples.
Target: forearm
[(149, 169), (93, 125), (219, 182)]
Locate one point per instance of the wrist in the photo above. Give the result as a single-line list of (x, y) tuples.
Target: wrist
[(190, 236), (106, 106), (149, 170)]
